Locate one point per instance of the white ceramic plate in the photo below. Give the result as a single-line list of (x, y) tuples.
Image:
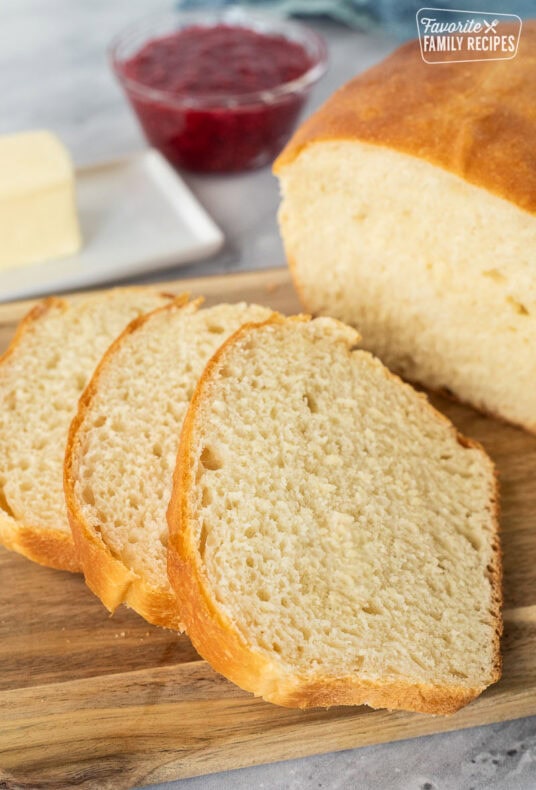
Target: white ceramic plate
[(137, 216)]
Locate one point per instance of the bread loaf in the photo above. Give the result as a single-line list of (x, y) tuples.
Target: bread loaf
[(122, 449), (42, 375), (333, 540), (408, 210)]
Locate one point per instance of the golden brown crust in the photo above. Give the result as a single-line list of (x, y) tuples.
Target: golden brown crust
[(219, 641), (51, 547), (475, 119), (105, 574)]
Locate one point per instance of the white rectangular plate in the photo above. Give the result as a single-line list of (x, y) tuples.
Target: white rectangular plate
[(137, 216)]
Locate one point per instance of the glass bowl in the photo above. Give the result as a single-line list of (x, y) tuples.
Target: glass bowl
[(217, 132)]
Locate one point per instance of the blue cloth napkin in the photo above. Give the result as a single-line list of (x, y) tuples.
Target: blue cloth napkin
[(394, 17)]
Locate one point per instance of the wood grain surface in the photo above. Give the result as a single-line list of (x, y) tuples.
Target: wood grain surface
[(92, 701)]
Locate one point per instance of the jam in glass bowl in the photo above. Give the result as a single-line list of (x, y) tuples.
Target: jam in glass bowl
[(218, 91)]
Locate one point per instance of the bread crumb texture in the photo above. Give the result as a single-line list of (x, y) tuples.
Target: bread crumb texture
[(42, 375), (126, 444), (336, 523)]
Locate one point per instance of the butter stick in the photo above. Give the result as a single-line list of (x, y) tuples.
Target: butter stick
[(38, 219)]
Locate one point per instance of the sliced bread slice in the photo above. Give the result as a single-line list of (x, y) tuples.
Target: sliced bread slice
[(333, 539), (122, 449), (42, 374)]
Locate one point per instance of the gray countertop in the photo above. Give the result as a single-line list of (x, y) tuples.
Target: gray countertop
[(54, 74)]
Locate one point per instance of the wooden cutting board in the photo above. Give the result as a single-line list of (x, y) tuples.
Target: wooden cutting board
[(92, 701)]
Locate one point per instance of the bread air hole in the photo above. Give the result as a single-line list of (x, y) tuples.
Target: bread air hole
[(209, 459), (311, 403), (206, 497), (517, 306), (53, 362), (495, 275), (11, 400), (371, 608), (203, 541), (458, 674), (474, 541)]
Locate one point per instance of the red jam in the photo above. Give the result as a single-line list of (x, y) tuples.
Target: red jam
[(208, 120)]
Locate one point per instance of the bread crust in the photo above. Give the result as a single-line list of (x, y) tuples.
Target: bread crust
[(475, 119), (219, 640), (107, 575), (50, 547)]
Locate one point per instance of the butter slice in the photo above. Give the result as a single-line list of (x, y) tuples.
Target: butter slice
[(38, 218)]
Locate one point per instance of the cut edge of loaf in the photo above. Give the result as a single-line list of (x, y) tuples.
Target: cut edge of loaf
[(106, 575), (52, 548), (218, 640), (451, 394)]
